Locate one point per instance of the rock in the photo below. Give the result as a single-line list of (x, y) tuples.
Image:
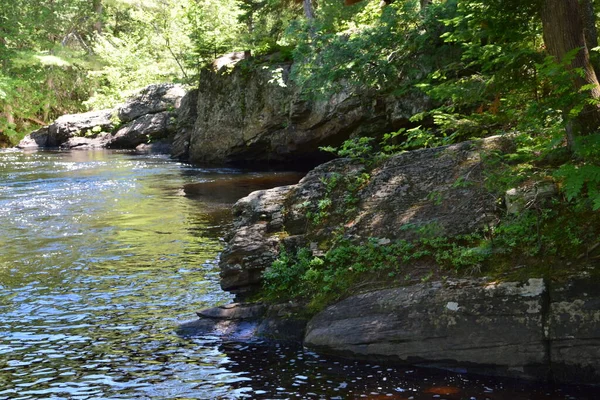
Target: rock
[(440, 190), (246, 321), (574, 330), (226, 329), (149, 116), (98, 141), (151, 100), (498, 325), (231, 189), (186, 118), (140, 130), (72, 125), (254, 113), (35, 139), (254, 244), (518, 199), (230, 59), (234, 311), (160, 147)]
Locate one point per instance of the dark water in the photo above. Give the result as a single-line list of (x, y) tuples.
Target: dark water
[(104, 253)]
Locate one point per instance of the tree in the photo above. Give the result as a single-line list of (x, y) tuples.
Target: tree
[(564, 34)]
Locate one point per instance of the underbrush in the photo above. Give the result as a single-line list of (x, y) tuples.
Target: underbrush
[(552, 237)]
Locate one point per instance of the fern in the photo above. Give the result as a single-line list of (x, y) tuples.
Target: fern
[(580, 181)]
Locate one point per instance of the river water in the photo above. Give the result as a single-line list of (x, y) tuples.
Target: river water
[(104, 253)]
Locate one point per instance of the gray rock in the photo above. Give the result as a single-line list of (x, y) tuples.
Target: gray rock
[(234, 311), (255, 243), (521, 198), (151, 100), (186, 118), (78, 142), (445, 324), (230, 59), (410, 191), (160, 147), (140, 130), (149, 116), (256, 114), (574, 330), (246, 321), (72, 125), (36, 139)]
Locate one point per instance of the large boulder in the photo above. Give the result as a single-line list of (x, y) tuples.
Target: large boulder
[(394, 196), (36, 139), (152, 99), (452, 324), (141, 130), (535, 329), (79, 125), (148, 116), (255, 113)]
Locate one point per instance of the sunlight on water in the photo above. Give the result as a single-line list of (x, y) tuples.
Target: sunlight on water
[(105, 253)]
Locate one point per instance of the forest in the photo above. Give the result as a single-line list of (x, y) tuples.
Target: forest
[(489, 67)]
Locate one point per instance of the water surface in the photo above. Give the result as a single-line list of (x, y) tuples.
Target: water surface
[(105, 253)]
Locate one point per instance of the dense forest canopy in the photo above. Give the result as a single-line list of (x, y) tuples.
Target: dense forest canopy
[(488, 66)]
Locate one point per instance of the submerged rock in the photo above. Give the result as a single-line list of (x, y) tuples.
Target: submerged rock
[(246, 321)]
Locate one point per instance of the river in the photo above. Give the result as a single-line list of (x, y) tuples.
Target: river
[(104, 253)]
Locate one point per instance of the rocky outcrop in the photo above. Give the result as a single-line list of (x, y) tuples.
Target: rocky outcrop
[(150, 115), (537, 329), (573, 329), (254, 113), (452, 324), (186, 118), (393, 201), (541, 329)]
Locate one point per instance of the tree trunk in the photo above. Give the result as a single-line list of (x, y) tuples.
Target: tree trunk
[(563, 28), (8, 112), (589, 23), (98, 9), (590, 31), (308, 10)]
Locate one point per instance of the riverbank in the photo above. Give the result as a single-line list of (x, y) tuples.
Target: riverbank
[(361, 260)]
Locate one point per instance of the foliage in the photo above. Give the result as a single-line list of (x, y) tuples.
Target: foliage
[(356, 148), (581, 177), (534, 236)]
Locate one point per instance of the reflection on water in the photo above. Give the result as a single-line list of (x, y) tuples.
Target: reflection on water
[(104, 253)]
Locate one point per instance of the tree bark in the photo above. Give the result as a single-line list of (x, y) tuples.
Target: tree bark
[(563, 28), (308, 10), (8, 113), (589, 22), (98, 9)]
